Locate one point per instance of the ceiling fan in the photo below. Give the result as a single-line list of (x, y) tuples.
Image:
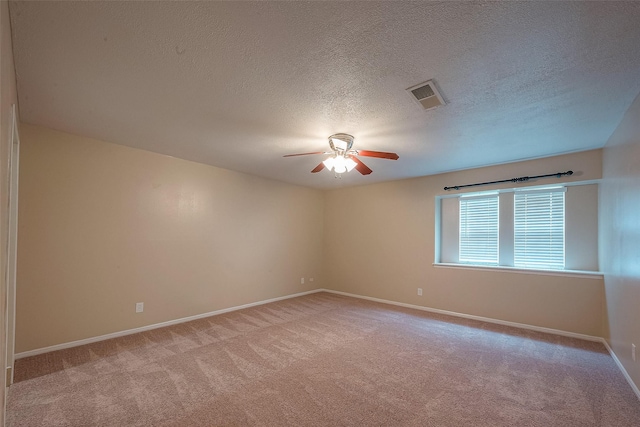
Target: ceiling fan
[(343, 157)]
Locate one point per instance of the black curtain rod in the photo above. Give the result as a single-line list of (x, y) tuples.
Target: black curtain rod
[(521, 179)]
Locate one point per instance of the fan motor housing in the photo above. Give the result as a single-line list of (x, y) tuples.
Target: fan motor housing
[(341, 142)]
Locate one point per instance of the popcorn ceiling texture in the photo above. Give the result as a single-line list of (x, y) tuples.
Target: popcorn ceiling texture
[(326, 360), (238, 85)]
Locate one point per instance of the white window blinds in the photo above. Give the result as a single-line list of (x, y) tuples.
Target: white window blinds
[(479, 230), (539, 229)]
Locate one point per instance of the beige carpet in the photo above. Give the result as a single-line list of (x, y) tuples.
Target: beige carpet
[(325, 360)]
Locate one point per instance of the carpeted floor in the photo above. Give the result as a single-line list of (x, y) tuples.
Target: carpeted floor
[(325, 360)]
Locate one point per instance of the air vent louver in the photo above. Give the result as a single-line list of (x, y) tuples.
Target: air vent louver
[(423, 92), (427, 95)]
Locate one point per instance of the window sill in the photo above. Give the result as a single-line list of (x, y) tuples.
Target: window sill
[(571, 273)]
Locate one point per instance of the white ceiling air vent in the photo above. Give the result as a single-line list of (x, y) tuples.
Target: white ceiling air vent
[(427, 95)]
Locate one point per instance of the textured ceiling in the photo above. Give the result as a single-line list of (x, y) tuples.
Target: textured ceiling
[(238, 85)]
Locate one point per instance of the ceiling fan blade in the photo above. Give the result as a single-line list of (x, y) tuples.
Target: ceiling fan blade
[(379, 154), (318, 168), (361, 167), (303, 154)]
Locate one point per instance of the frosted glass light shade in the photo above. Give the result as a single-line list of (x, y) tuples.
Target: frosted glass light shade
[(329, 163), (339, 164)]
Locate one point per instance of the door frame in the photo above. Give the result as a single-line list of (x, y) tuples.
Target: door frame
[(12, 244)]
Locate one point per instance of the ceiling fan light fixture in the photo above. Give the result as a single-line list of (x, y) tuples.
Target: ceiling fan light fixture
[(344, 158), (339, 164), (329, 163), (340, 168), (350, 164)]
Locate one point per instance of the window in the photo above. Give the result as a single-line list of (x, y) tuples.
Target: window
[(479, 230), (542, 227), (539, 229)]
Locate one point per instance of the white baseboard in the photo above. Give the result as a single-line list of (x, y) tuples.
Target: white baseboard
[(633, 385), (470, 316), (154, 326)]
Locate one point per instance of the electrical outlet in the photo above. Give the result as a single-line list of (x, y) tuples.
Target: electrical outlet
[(420, 292), (633, 352), (139, 307), (302, 280)]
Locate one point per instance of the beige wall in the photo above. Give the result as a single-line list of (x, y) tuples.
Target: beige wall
[(379, 242), (7, 98), (102, 226), (620, 239)]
